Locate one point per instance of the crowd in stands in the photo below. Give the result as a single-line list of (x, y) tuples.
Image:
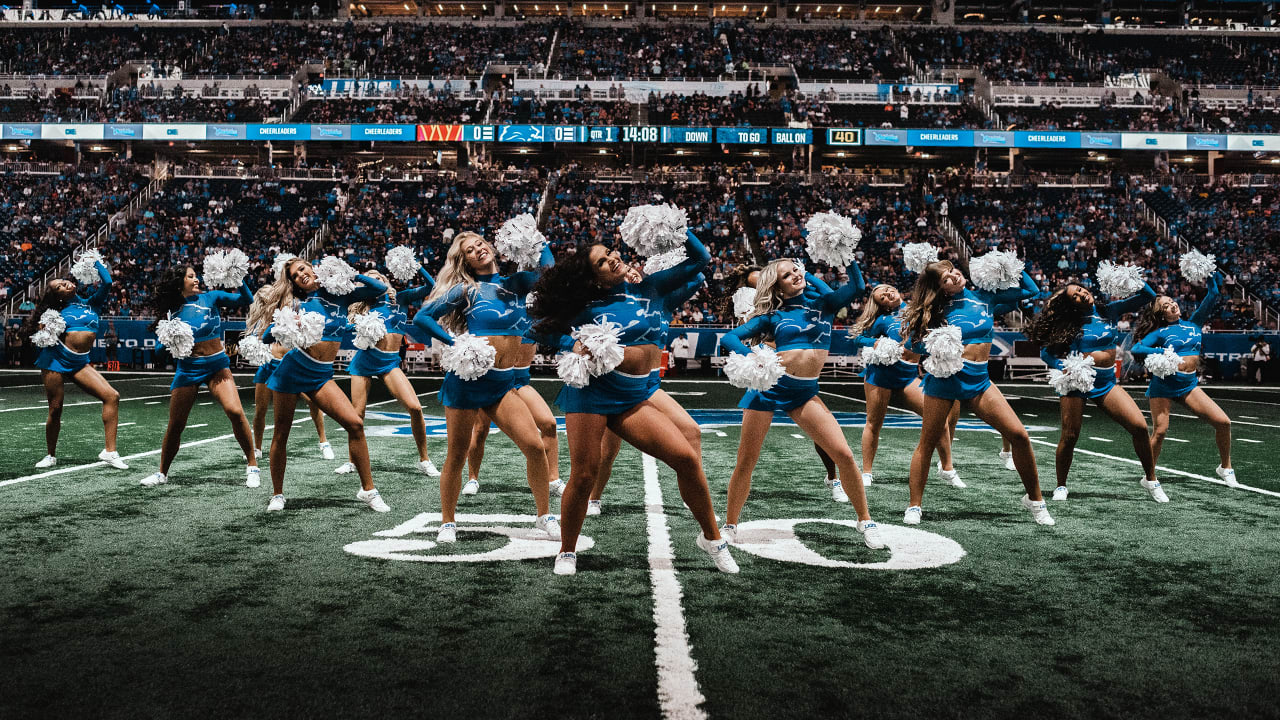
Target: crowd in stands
[(648, 51), (827, 53), (1030, 56), (521, 110), (413, 107), (1161, 115), (1188, 59)]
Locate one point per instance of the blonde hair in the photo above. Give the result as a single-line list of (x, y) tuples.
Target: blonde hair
[(927, 301), (456, 271), (768, 295), (362, 307), (870, 311), (270, 299)]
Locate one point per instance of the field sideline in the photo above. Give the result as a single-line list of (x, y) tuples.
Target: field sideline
[(188, 600)]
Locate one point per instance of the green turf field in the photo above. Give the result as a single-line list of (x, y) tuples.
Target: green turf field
[(188, 600)]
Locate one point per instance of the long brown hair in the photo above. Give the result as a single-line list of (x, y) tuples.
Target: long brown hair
[(768, 296), (734, 280), (52, 299), (362, 307), (456, 271), (871, 310), (1149, 320), (271, 298), (927, 301), (1060, 323)]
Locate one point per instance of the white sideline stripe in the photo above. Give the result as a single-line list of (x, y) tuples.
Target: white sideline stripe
[(722, 434), (1249, 417), (207, 403), (1174, 414), (111, 377), (864, 402), (153, 402), (1169, 470), (1249, 441), (126, 424), (1029, 414), (678, 692), (87, 402), (198, 425), (1100, 439), (1174, 439)]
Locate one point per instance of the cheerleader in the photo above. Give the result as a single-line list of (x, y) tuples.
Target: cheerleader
[(799, 324), (383, 361), (1160, 327), (309, 371), (471, 297), (939, 299), (266, 302), (65, 324), (1073, 322), (590, 287), (897, 381), (178, 297)]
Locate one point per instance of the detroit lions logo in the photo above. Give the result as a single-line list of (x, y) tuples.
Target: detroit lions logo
[(638, 313), (811, 327)]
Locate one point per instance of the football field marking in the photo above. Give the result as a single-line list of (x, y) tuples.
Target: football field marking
[(523, 542), (1172, 414), (678, 692), (909, 548), (1100, 439)]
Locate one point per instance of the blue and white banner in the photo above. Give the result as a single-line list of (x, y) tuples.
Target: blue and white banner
[(178, 131), (1100, 141), (1153, 141), (1046, 138), (279, 132), (51, 131), (878, 136), (1206, 142), (742, 136), (126, 131), (358, 87), (21, 131), (940, 138), (992, 138), (226, 132), (682, 135), (542, 133), (395, 133)]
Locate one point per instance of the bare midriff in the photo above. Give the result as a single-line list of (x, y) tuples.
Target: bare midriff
[(803, 362), (525, 357), (640, 359), (508, 350), (390, 343), (324, 351), (908, 356), (205, 348), (80, 341), (1189, 363), (1104, 358), (977, 352)]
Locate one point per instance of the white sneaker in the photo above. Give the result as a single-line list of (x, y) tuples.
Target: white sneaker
[(276, 504), (326, 450), (556, 487), (870, 534), (550, 524), (1060, 493), (472, 487), (1157, 492), (345, 468), (1227, 474), (253, 476), (374, 500), (593, 507), (566, 563), (48, 461), (730, 533), (951, 476), (257, 453), (837, 492), (429, 468), (867, 479), (912, 515), (448, 533), (154, 479), (113, 459), (1007, 458), (1038, 510), (719, 552)]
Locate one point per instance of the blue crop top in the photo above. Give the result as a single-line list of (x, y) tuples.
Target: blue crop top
[(970, 310), (494, 305), (1183, 336), (1100, 333), (334, 307), (201, 311), (81, 314), (675, 300), (802, 323), (886, 325)]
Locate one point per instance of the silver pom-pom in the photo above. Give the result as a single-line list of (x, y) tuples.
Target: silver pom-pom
[(757, 370), (52, 325), (1077, 374), (946, 351), (469, 357), (277, 265), (85, 270), (176, 335), (370, 329), (916, 256), (832, 239), (744, 301), (295, 329), (574, 369), (654, 229), (253, 350), (995, 271), (1119, 281), (335, 275), (665, 261), (1164, 364), (519, 241), (225, 268), (1197, 267), (601, 341), (402, 263), (885, 351)]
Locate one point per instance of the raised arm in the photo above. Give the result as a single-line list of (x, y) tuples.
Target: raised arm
[(733, 340), (425, 326), (673, 301), (1050, 359), (455, 299), (1210, 303), (672, 278), (409, 296), (874, 331), (1152, 344), (241, 298), (1116, 308), (522, 282), (99, 295), (843, 295), (563, 343), (369, 290)]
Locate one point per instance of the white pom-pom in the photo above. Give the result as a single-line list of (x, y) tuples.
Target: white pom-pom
[(1119, 281), (402, 263), (225, 268), (654, 229), (85, 270), (1163, 364), (176, 335), (997, 270), (51, 328), (665, 261), (832, 239), (918, 255), (277, 265), (469, 357), (1197, 267), (757, 370), (744, 301), (295, 329), (519, 241), (335, 275), (601, 342), (370, 329), (946, 351), (253, 350), (574, 369), (1077, 374), (885, 351)]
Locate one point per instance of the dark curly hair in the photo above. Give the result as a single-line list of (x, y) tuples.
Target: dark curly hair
[(1060, 323), (733, 280), (1150, 319), (52, 299), (168, 294), (562, 291)]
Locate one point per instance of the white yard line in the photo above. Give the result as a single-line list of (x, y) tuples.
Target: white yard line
[(1100, 439)]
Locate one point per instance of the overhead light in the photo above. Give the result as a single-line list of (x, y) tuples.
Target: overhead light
[(440, 7), (679, 152), (755, 152), (819, 9), (603, 151), (524, 151), (840, 154)]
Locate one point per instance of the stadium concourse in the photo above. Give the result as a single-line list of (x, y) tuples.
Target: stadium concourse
[(151, 570)]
